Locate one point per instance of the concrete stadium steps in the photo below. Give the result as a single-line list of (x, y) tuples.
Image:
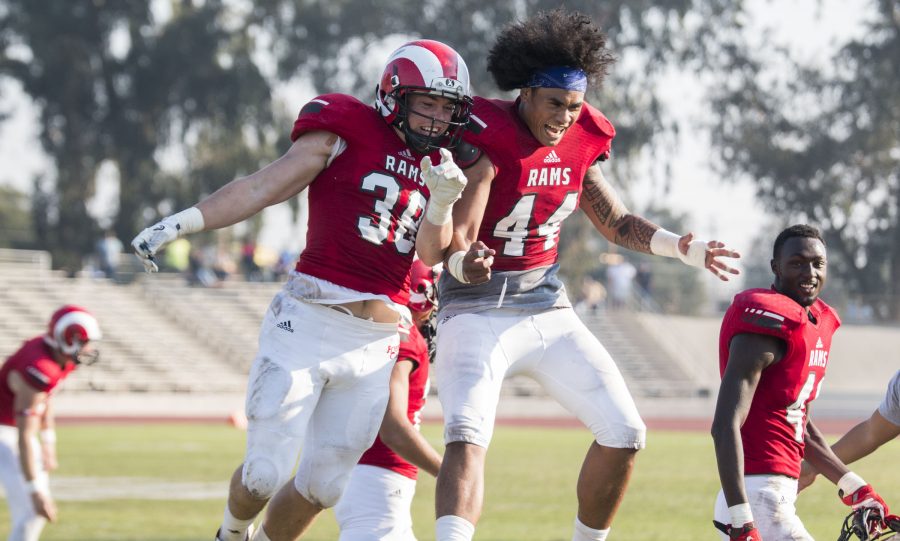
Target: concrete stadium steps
[(226, 318), (143, 349), (648, 368)]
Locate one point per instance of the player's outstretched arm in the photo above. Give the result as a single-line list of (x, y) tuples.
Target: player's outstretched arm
[(396, 430), (608, 213), (242, 197)]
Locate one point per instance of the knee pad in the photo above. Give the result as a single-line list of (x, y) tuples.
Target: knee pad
[(261, 477), (270, 459), (321, 479)]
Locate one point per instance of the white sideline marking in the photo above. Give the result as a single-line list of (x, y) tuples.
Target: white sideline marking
[(139, 488)]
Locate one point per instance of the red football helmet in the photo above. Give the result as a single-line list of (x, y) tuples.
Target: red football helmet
[(422, 287), (424, 67), (71, 327)]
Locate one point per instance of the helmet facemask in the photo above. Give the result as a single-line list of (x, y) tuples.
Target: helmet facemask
[(422, 142)]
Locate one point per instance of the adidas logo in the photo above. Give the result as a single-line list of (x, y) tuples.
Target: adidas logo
[(405, 153), (819, 344), (285, 326), (552, 157)]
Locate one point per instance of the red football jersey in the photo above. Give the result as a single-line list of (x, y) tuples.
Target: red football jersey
[(34, 362), (773, 432), (535, 187), (365, 208), (416, 349)]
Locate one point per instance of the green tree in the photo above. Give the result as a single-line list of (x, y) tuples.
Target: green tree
[(114, 85), (823, 146)]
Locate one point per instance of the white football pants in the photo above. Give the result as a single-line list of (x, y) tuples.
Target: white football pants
[(772, 499), (26, 524), (376, 505), (320, 381), (475, 352)]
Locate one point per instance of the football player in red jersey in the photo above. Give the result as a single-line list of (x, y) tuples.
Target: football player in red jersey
[(376, 502), (504, 310), (27, 380), (862, 440), (773, 352), (328, 340)]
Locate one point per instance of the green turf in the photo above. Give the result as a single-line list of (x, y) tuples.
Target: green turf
[(529, 488)]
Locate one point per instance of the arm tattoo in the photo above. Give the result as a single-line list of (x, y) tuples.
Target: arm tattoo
[(615, 221)]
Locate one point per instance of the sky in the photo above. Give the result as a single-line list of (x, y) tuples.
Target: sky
[(812, 29)]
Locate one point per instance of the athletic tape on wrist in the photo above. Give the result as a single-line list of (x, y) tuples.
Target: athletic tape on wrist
[(38, 485), (665, 243), (455, 266), (187, 221), (850, 483), (48, 435), (740, 514), (437, 213)]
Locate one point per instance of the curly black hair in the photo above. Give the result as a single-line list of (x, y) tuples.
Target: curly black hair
[(547, 39)]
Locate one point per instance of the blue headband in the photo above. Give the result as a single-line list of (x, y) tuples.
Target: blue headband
[(559, 77)]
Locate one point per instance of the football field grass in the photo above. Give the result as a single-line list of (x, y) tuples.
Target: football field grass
[(167, 482)]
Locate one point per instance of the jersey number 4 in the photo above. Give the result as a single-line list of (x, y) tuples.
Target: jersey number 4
[(514, 226), (378, 229), (796, 412)]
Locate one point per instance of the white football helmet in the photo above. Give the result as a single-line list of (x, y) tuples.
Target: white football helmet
[(70, 328)]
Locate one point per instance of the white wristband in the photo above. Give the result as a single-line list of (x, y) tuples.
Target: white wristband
[(850, 483), (455, 266), (38, 485), (740, 514), (437, 213), (187, 221), (665, 243), (48, 435)]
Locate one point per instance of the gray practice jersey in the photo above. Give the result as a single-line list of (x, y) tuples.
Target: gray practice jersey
[(890, 407), (530, 290)]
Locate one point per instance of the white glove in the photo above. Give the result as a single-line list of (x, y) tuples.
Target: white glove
[(150, 240), (446, 183)]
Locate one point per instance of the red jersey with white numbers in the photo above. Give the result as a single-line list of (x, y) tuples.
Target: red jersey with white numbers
[(773, 432), (535, 187), (34, 362), (413, 349), (364, 208)]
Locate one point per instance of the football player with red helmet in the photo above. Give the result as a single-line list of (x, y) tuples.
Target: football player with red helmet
[(329, 339), (376, 503), (504, 310), (27, 436), (773, 352)]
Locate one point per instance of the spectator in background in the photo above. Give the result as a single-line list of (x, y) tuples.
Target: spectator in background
[(619, 283), (109, 249), (593, 295), (27, 380), (177, 257), (249, 267)]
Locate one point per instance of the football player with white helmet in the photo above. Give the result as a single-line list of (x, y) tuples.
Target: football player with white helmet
[(27, 435), (329, 338), (504, 310), (376, 503), (862, 440)]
